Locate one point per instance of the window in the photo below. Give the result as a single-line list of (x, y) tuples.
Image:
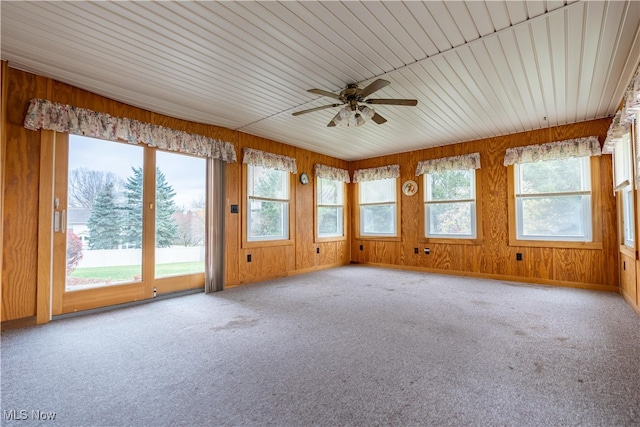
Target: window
[(627, 203), (553, 200), (623, 176), (450, 204), (330, 207), (378, 208), (268, 201)]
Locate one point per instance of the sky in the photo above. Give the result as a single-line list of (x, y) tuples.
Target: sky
[(186, 174)]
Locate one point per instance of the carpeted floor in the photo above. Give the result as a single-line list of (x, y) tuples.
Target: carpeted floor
[(355, 345)]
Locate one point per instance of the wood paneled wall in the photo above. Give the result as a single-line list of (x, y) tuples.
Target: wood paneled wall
[(21, 171), (272, 261), (493, 257)]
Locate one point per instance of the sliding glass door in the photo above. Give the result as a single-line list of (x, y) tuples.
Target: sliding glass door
[(128, 223), (180, 214)]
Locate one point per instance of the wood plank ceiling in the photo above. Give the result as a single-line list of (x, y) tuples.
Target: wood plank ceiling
[(477, 68)]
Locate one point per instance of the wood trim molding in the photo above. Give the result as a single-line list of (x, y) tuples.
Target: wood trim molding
[(18, 323), (244, 206), (3, 144), (596, 217), (447, 240), (45, 231), (356, 216), (519, 279), (631, 301), (345, 222)]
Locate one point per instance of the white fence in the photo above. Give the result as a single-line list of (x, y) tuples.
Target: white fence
[(117, 257)]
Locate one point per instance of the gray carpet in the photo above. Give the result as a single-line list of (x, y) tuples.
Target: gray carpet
[(354, 345)]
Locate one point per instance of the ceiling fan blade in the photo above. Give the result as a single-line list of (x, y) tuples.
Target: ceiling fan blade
[(377, 85), (297, 113), (332, 123), (410, 102), (378, 119), (325, 93)]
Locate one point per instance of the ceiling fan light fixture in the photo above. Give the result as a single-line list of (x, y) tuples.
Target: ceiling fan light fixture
[(346, 113), (343, 117), (367, 112), (360, 120)]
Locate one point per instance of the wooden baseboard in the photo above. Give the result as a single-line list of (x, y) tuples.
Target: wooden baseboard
[(18, 323), (530, 280), (317, 268), (229, 285), (631, 301)]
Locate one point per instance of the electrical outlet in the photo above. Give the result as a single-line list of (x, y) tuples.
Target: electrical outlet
[(427, 251), (317, 250), (518, 256), (361, 247), (415, 250), (248, 257)]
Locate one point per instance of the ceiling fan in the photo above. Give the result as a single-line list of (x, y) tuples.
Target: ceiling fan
[(354, 113)]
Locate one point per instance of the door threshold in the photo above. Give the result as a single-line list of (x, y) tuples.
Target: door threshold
[(128, 304)]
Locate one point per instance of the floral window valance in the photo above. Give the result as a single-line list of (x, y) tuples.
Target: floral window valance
[(462, 162), (617, 129), (43, 114), (328, 172), (625, 116), (269, 160), (579, 147), (384, 172)]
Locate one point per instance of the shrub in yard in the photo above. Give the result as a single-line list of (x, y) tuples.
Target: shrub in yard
[(74, 251)]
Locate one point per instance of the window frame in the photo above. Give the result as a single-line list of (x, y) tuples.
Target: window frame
[(381, 237), (248, 243), (316, 235), (624, 182), (628, 222), (465, 240), (596, 217)]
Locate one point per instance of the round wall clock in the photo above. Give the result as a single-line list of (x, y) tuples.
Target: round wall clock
[(304, 178), (409, 187)]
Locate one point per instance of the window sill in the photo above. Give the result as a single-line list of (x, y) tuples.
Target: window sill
[(380, 238), (266, 243), (628, 251), (450, 241), (556, 244), (329, 239)]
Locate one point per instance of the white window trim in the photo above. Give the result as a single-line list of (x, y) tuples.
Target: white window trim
[(587, 208), (394, 203), (473, 201), (319, 205), (286, 207)]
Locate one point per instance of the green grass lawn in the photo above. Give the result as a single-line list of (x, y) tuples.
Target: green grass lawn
[(127, 272)]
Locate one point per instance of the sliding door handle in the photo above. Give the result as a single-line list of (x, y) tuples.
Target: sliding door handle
[(63, 222)]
